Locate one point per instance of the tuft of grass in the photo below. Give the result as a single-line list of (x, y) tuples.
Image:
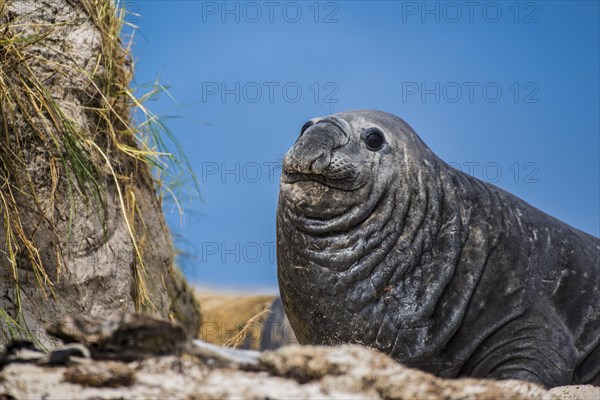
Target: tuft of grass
[(130, 140)]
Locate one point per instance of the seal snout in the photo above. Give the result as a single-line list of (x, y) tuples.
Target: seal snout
[(312, 152), (307, 160)]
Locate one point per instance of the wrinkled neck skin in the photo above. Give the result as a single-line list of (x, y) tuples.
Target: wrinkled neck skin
[(379, 269)]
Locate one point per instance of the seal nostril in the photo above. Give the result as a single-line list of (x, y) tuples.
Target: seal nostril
[(320, 163)]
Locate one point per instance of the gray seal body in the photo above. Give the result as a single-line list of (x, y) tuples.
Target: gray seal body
[(381, 243)]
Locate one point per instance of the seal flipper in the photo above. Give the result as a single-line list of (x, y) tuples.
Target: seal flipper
[(588, 372), (524, 350)]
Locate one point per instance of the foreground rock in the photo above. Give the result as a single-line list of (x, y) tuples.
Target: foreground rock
[(135, 356), (576, 392), (295, 372)]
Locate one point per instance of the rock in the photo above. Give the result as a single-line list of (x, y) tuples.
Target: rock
[(299, 372), (128, 337), (122, 336), (357, 369), (110, 375), (576, 392)]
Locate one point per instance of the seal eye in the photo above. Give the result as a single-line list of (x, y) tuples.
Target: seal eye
[(374, 139), (306, 126)]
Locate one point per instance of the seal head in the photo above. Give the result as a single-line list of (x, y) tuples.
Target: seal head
[(341, 167)]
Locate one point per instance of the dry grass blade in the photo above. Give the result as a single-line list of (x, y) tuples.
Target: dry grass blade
[(238, 339)]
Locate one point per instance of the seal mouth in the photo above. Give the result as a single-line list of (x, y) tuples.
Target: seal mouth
[(334, 183)]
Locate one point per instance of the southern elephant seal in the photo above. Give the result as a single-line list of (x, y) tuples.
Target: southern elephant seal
[(381, 243)]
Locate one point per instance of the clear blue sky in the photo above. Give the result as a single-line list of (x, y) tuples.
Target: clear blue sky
[(510, 94)]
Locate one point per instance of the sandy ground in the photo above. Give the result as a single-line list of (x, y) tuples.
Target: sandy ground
[(224, 316)]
